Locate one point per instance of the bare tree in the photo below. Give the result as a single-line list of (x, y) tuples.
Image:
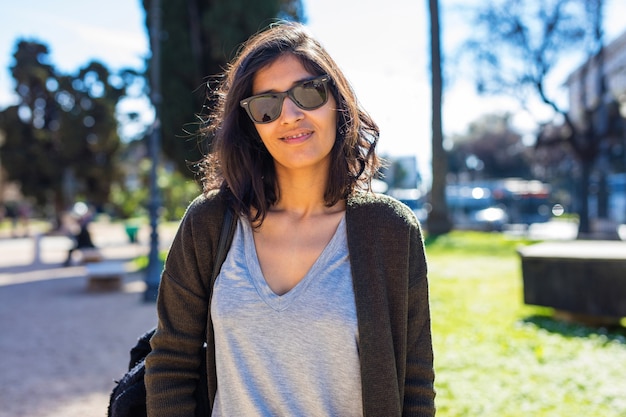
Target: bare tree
[(518, 45)]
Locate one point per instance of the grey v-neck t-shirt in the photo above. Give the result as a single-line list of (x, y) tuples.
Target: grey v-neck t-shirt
[(290, 355)]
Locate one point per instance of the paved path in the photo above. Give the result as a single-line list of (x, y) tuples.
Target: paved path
[(61, 347)]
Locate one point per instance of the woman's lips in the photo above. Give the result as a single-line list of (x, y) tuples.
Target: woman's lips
[(297, 137)]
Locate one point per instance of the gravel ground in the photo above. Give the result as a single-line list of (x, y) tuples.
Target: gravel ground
[(62, 346)]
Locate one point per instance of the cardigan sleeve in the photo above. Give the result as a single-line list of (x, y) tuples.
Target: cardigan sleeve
[(391, 291), (172, 368), (419, 395)]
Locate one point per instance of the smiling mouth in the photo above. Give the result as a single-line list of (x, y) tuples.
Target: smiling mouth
[(298, 136)]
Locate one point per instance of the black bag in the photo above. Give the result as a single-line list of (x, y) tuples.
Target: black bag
[(128, 398)]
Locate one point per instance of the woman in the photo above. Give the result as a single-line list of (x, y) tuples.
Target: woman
[(321, 306)]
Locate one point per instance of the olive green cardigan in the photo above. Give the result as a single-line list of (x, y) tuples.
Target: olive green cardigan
[(391, 291)]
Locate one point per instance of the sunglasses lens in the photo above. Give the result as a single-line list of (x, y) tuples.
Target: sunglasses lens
[(310, 95), (264, 109)]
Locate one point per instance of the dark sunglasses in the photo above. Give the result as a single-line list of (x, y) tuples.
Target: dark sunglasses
[(308, 95)]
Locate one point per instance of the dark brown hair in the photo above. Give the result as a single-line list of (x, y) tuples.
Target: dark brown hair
[(238, 160)]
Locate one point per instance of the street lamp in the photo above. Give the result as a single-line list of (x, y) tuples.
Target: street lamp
[(155, 266)]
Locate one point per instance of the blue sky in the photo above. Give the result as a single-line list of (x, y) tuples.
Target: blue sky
[(383, 51)]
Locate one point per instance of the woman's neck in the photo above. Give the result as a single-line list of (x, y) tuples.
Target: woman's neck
[(303, 194)]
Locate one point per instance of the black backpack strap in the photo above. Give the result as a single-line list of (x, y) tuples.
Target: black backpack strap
[(228, 228), (128, 398)]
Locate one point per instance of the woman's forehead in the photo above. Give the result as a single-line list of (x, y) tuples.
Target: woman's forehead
[(280, 75)]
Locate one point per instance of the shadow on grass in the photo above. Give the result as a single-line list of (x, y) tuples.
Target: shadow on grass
[(614, 333), (474, 242), (431, 239)]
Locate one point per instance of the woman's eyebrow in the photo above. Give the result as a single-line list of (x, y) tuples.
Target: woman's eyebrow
[(270, 91)]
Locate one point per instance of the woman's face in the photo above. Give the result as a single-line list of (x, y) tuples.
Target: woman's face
[(298, 139)]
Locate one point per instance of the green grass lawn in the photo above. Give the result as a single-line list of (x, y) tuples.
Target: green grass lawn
[(495, 356)]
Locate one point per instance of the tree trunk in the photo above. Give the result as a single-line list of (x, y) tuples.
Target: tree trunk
[(438, 221), (584, 225)]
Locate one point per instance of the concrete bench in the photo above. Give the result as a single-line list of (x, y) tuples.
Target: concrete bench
[(581, 278), (90, 255), (105, 276)]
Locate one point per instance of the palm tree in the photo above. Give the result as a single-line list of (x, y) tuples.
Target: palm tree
[(438, 222)]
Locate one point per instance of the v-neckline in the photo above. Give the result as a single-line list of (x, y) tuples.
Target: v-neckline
[(282, 302)]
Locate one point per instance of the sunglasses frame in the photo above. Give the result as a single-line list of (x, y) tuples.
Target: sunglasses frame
[(323, 79)]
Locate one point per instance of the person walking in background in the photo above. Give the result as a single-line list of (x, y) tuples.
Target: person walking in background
[(321, 306), (80, 236), (19, 213), (12, 213)]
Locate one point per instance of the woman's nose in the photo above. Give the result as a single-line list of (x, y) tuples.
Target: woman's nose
[(290, 112)]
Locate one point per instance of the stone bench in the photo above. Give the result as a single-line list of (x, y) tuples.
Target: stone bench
[(579, 278), (105, 276), (90, 255)]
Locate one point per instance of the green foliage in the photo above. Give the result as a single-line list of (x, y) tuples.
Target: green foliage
[(199, 38), (60, 140), (175, 190), (141, 262), (127, 203), (496, 357)]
